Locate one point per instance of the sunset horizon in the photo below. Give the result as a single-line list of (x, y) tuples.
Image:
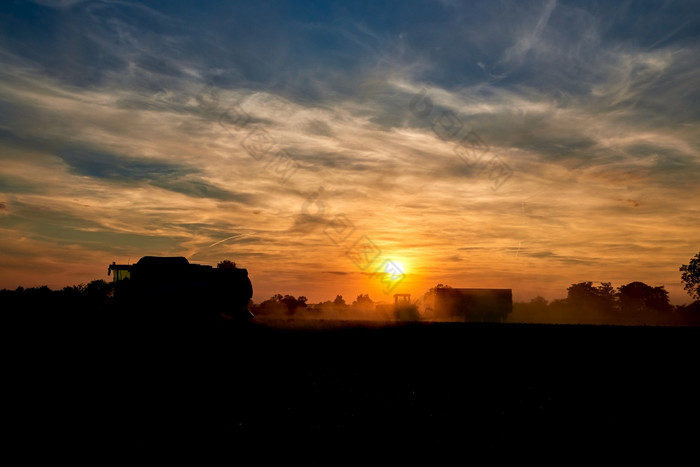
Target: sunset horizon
[(433, 231)]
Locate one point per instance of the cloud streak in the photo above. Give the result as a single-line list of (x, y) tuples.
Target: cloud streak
[(111, 149)]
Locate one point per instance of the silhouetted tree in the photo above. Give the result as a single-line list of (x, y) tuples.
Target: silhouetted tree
[(585, 295), (582, 294), (637, 297), (336, 306), (607, 296), (690, 313), (439, 286), (99, 291), (40, 299), (292, 304), (363, 303), (72, 292), (558, 305), (279, 303), (536, 310), (691, 277), (58, 304), (226, 264), (538, 304), (339, 300), (272, 305)]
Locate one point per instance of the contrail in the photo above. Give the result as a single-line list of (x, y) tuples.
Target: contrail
[(231, 238), (197, 251)]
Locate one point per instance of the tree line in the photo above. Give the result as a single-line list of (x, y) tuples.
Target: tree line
[(87, 298), (635, 300), (632, 303), (287, 304)]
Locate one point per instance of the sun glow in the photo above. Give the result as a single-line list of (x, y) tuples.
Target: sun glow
[(394, 268), (394, 271)]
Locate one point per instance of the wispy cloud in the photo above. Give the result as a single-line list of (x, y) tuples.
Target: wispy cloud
[(107, 153)]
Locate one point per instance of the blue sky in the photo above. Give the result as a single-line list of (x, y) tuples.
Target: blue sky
[(123, 131)]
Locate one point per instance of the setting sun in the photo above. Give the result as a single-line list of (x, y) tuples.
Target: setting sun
[(395, 269)]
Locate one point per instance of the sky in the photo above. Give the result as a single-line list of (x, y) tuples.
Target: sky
[(352, 147)]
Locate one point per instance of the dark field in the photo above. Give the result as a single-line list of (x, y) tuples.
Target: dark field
[(594, 393)]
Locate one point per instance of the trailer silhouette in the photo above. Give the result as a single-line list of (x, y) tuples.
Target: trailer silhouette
[(474, 305)]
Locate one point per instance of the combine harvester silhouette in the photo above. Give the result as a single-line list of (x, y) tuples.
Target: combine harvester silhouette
[(173, 288)]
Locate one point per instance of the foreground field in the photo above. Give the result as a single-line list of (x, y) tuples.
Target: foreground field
[(436, 388)]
